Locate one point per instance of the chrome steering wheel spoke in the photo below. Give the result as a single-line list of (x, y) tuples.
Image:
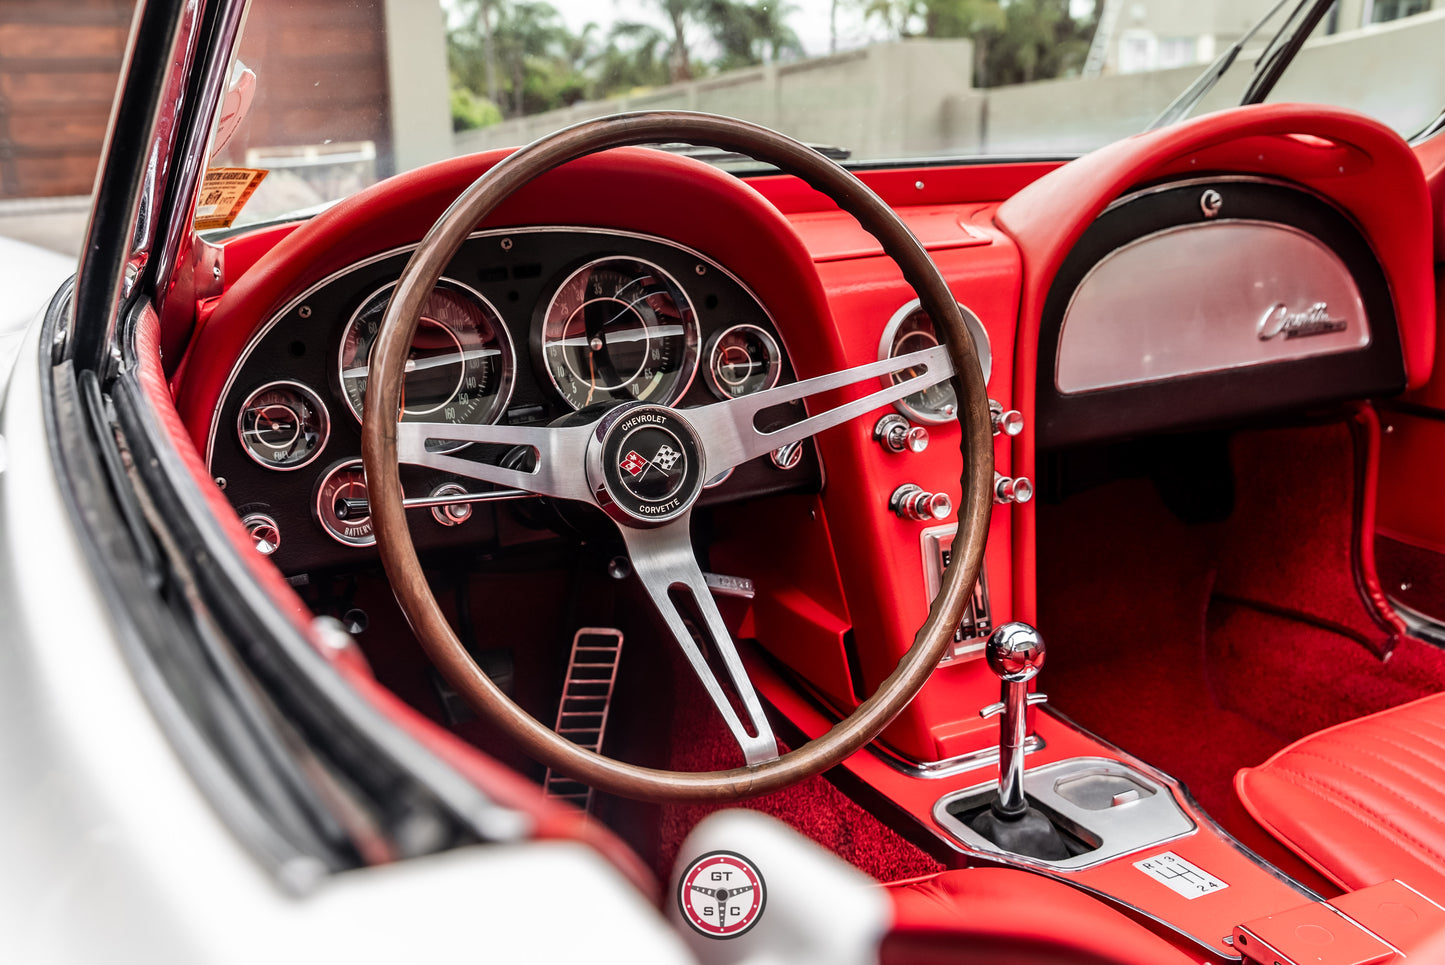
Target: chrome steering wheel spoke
[(664, 561), (558, 454), (731, 437)]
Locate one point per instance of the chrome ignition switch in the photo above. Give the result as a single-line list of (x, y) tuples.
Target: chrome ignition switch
[(916, 504), (895, 434)]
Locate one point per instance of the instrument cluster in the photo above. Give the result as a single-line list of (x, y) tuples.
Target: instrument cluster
[(526, 326)]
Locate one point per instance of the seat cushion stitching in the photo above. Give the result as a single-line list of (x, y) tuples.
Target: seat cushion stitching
[(1430, 779), (1367, 776), (1437, 765), (1330, 789)]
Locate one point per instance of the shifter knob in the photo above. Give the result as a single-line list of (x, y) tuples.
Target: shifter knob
[(1015, 652)]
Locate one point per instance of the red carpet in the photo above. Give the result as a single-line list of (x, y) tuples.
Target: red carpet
[(1145, 652), (815, 807)]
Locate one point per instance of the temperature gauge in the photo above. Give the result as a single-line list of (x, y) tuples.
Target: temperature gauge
[(742, 360), (343, 507), (283, 425)]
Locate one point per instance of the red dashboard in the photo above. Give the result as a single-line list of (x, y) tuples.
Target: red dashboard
[(998, 232)]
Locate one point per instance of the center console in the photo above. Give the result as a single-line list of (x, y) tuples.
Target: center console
[(1054, 800)]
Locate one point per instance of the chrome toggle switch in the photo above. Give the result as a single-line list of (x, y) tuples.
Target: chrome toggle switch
[(914, 503), (1008, 489), (1008, 421), (895, 434)]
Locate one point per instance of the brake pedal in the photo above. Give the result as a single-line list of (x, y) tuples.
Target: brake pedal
[(586, 699)]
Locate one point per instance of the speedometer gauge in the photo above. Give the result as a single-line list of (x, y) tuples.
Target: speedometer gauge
[(460, 366), (619, 328)]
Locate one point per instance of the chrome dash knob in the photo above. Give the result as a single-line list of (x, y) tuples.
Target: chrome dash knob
[(895, 434), (1008, 489), (1010, 422), (912, 502)]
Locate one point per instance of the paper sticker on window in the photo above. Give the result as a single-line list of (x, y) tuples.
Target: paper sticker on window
[(224, 193), (1179, 875)]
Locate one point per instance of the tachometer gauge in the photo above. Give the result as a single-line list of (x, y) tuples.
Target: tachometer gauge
[(742, 360), (911, 330), (620, 328), (283, 425), (460, 366)]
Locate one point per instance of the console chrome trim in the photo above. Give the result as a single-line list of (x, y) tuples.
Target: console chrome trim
[(1136, 826), (949, 766)]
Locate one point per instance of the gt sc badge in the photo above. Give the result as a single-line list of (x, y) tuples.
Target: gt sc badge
[(721, 894)]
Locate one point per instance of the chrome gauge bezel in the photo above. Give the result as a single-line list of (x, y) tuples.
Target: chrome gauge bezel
[(885, 351), (508, 377), (692, 345), (348, 465), (775, 359), (315, 401)]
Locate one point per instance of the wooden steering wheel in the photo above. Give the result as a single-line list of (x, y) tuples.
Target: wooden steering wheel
[(583, 463)]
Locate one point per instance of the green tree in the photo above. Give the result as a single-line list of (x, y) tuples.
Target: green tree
[(471, 111), (751, 33), (636, 55), (1015, 41)]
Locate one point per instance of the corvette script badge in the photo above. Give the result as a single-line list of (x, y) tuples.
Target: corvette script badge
[(721, 894), (1279, 320)]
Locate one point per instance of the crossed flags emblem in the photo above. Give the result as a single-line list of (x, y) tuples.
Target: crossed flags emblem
[(665, 458)]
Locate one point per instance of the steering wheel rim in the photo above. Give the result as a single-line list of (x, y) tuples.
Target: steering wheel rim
[(380, 454)]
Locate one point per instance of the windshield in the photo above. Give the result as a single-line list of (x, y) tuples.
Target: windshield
[(350, 91)]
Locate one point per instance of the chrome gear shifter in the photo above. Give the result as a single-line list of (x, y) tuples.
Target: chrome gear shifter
[(1015, 652)]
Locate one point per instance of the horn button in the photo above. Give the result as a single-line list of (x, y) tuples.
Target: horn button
[(645, 465)]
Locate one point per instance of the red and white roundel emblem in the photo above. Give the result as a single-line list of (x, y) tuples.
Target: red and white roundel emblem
[(721, 894)]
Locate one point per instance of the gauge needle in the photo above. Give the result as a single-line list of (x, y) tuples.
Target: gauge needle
[(273, 427), (431, 362), (624, 335)]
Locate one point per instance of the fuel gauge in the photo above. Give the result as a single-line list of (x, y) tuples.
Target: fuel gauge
[(742, 360), (283, 425)]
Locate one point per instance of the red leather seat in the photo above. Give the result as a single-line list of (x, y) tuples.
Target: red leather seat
[(1364, 801), (990, 915)]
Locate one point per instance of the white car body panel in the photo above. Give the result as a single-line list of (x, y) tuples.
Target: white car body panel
[(113, 854)]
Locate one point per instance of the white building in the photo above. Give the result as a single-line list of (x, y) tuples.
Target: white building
[(1140, 35)]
